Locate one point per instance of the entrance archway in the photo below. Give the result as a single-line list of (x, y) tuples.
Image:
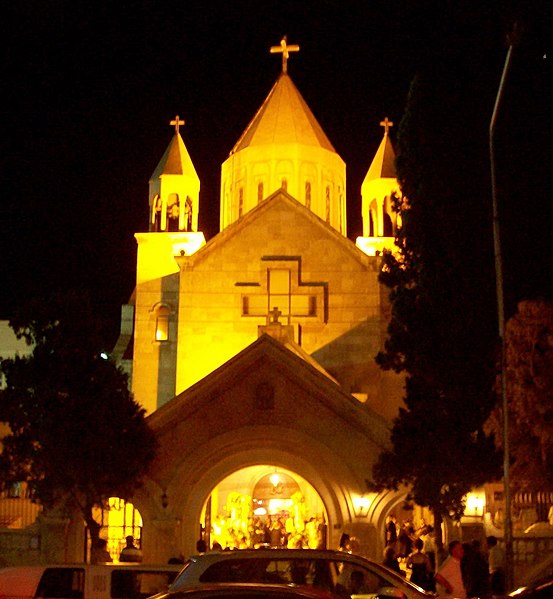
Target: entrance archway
[(264, 505)]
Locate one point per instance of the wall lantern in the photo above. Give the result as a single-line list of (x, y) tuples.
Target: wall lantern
[(362, 504), (475, 503)]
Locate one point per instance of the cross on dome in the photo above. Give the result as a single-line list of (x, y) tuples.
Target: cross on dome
[(386, 124), (177, 121), (285, 50)]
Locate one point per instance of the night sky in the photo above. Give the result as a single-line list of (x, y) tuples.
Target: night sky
[(91, 88)]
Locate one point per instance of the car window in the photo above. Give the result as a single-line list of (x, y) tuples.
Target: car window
[(61, 583), (137, 584), (356, 581)]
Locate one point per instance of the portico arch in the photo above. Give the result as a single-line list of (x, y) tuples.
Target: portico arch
[(204, 468)]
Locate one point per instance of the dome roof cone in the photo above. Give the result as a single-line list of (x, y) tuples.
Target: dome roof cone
[(284, 147), (174, 188)]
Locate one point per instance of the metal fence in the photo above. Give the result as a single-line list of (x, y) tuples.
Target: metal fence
[(17, 509)]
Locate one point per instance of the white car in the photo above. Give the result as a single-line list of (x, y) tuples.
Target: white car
[(84, 581), (330, 570)]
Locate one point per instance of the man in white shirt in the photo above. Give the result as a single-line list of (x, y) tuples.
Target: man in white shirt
[(449, 575)]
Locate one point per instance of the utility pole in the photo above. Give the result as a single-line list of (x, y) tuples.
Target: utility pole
[(507, 520)]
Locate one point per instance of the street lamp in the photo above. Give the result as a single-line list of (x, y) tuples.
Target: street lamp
[(507, 522)]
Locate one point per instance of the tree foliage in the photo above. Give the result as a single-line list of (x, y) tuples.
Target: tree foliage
[(76, 436), (441, 333), (529, 377)]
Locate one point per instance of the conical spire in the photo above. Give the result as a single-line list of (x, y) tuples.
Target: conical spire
[(284, 147), (284, 117), (383, 164), (174, 188)]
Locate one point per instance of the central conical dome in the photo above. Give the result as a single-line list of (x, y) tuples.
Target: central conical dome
[(284, 147), (284, 118)]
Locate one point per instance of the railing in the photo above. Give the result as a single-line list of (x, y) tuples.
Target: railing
[(17, 510), (530, 551)]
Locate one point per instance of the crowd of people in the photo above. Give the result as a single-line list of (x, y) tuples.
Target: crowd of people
[(467, 571), (275, 531)]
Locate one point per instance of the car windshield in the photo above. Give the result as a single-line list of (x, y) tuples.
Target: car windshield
[(333, 575)]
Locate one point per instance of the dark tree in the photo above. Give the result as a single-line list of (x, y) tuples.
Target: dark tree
[(529, 378), (442, 329), (77, 436)]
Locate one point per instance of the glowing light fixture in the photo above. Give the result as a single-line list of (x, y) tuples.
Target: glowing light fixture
[(475, 503), (362, 504)]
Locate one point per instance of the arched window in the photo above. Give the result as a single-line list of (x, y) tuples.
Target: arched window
[(308, 194), (156, 213), (162, 323), (260, 192), (327, 194), (371, 224), (118, 519), (387, 224)]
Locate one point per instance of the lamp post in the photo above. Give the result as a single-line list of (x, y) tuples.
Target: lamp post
[(507, 522)]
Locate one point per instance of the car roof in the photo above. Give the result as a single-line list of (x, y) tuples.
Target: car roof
[(309, 592), (216, 556)]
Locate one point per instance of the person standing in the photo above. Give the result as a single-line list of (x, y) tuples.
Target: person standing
[(130, 553), (419, 564), (391, 530), (100, 553), (496, 563), (449, 575), (429, 545)]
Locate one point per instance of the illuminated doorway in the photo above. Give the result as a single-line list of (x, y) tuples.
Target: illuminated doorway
[(264, 506)]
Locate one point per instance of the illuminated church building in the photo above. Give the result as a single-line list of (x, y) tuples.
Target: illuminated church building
[(253, 353)]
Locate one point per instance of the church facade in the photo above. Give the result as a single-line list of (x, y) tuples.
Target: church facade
[(253, 353)]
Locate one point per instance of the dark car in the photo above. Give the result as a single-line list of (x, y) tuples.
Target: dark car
[(243, 590), (323, 569), (539, 589)]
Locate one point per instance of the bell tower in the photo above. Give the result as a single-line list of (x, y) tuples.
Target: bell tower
[(174, 188), (377, 191)]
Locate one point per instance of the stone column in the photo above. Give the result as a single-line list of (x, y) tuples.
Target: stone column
[(163, 542), (53, 534)]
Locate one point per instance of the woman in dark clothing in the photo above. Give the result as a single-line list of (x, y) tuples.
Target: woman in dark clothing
[(391, 561)]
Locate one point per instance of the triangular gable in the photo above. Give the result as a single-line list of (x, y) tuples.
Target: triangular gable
[(278, 197), (268, 353)]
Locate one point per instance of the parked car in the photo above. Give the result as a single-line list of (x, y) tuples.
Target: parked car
[(82, 581), (539, 589), (245, 590), (329, 570)]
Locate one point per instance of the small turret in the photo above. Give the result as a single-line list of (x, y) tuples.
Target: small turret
[(174, 189), (378, 188)]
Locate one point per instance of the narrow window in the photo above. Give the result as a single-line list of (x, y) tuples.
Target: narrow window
[(284, 184), (259, 192), (328, 204), (308, 194), (173, 212), (279, 290), (162, 323), (240, 202)]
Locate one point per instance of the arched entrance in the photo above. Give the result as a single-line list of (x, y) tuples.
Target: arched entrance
[(264, 505)]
